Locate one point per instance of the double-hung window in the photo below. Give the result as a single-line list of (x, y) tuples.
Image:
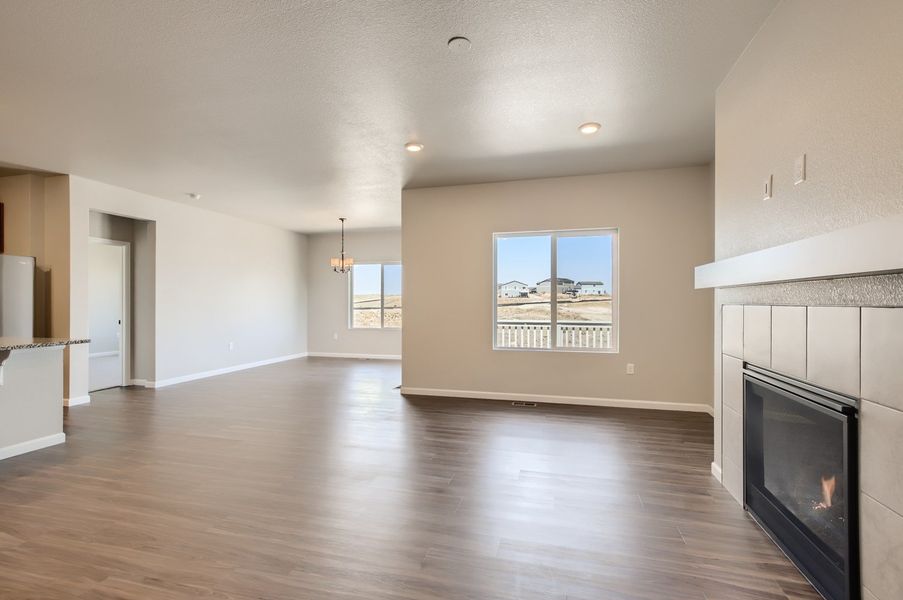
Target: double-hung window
[(556, 290), (375, 296)]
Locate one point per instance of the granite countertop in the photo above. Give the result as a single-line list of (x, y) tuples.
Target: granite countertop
[(21, 343)]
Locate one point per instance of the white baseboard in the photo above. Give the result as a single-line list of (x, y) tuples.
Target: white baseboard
[(716, 471), (138, 382), (575, 400), (86, 399), (32, 445), (215, 372), (359, 356)]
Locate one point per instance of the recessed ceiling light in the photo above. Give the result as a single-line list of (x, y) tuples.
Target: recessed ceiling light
[(413, 146), (589, 128), (193, 195), (459, 43)]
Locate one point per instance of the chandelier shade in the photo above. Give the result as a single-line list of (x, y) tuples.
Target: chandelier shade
[(342, 263)]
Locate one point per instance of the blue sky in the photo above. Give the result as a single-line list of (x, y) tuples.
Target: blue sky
[(366, 279), (526, 258)]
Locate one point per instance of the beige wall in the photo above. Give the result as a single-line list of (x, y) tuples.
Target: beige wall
[(22, 198), (218, 279), (328, 299), (665, 218), (822, 78)]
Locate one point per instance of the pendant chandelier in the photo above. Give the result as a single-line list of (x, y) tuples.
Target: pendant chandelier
[(343, 263)]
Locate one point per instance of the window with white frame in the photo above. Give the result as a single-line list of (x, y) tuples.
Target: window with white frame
[(556, 290), (375, 296)]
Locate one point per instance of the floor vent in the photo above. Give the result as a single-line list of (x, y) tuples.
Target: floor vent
[(518, 403)]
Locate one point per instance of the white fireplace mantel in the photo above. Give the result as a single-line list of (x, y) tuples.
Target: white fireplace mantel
[(869, 249)]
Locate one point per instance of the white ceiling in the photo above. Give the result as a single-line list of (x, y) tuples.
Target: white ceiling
[(295, 113)]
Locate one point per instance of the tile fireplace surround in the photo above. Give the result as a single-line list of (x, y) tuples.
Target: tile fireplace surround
[(854, 350)]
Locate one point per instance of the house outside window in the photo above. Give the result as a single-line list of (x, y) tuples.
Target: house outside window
[(556, 290)]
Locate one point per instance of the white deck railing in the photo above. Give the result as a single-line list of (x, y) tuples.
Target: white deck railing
[(536, 334)]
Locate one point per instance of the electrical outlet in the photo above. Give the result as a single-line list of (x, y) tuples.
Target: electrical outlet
[(335, 335), (631, 368), (231, 346), (768, 191), (799, 169)]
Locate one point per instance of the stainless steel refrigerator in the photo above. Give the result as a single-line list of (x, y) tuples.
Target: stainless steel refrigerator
[(16, 296)]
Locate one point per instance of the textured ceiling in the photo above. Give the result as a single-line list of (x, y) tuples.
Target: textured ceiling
[(294, 113)]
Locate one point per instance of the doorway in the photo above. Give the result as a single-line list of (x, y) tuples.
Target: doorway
[(109, 309)]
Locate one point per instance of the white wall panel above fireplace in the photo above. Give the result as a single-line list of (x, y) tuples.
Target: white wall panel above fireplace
[(832, 348)]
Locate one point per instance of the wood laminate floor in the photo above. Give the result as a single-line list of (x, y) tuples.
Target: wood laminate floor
[(314, 479)]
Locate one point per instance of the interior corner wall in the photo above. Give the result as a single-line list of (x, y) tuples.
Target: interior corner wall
[(56, 259), (665, 220), (824, 79), (218, 279), (328, 294)]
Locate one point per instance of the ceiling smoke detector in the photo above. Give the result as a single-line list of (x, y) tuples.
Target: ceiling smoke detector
[(459, 44), (193, 195)]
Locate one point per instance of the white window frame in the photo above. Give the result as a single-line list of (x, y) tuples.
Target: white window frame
[(615, 233), (382, 295)]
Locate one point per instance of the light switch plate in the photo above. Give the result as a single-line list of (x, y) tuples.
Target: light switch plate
[(799, 169), (767, 192)]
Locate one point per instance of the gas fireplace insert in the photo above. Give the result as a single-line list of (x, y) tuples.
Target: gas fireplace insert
[(801, 467)]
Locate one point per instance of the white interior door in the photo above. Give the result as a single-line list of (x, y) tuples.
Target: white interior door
[(106, 278)]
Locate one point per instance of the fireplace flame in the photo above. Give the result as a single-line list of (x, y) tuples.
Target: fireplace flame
[(828, 484)]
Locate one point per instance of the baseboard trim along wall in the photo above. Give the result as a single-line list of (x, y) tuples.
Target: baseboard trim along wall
[(214, 372), (77, 401), (574, 400), (358, 356), (32, 445), (716, 471)]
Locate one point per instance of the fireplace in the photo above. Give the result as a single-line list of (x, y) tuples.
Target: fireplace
[(801, 462)]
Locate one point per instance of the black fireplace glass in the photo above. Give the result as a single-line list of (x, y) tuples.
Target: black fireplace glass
[(797, 456)]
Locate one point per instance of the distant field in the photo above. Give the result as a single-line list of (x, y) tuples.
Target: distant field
[(366, 311), (533, 308), (537, 307)]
